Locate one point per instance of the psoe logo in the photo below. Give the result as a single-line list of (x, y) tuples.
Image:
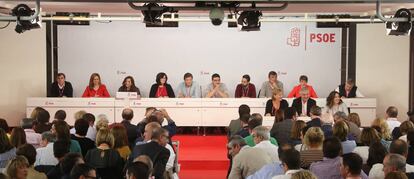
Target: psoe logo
[(294, 39)]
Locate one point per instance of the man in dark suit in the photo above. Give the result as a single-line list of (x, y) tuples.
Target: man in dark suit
[(132, 130), (281, 130), (154, 149), (304, 103)]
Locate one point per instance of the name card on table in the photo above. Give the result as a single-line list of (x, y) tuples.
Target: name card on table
[(127, 95)]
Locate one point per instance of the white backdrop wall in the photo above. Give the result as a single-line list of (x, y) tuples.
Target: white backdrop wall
[(382, 67), (22, 70), (118, 49)]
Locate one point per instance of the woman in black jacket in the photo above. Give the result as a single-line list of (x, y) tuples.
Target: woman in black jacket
[(161, 89)]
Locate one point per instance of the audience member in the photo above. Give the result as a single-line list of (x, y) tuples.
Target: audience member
[(79, 114), (60, 149), (303, 83), (131, 130), (281, 130), (376, 154), (404, 128), (330, 166), (303, 103), (81, 126), (32, 137), (327, 121), (291, 164), (104, 158), (391, 115), (82, 171), (60, 115), (4, 126), (68, 162), (394, 163), (7, 151), (162, 114), (399, 147), (276, 103), (102, 123), (273, 169), (244, 131), (17, 168), (44, 157), (396, 175), (315, 115), (138, 170), (296, 132), (42, 122), (303, 174), (91, 134), (340, 130), (246, 160), (18, 137), (255, 121), (312, 150), (121, 141), (261, 137), (368, 136), (266, 91), (141, 125), (410, 141), (383, 126), (354, 118), (351, 166), (29, 152), (61, 130), (156, 150), (354, 132), (235, 125)]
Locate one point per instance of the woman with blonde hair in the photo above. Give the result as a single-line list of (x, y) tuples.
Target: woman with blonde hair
[(104, 158), (354, 117), (341, 131), (17, 168), (381, 125), (121, 140), (303, 174), (102, 123), (311, 150), (276, 103)]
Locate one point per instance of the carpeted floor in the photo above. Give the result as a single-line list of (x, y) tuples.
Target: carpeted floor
[(202, 157)]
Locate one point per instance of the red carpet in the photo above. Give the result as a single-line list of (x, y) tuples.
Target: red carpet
[(202, 157)]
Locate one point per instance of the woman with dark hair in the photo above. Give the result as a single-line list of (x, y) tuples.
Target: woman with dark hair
[(61, 130), (42, 122), (7, 151), (128, 85), (296, 132), (368, 136), (376, 154), (161, 89), (4, 126), (18, 137), (96, 88), (121, 140), (410, 141), (334, 104)]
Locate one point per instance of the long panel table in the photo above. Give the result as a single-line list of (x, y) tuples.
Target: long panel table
[(185, 112)]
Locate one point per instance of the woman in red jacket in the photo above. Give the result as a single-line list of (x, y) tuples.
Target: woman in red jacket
[(96, 88), (303, 80)]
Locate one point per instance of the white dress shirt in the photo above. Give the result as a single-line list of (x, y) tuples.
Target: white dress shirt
[(376, 171), (269, 148), (393, 123), (362, 151), (45, 156)]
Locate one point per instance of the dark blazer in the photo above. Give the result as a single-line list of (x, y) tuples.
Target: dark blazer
[(297, 104), (158, 154), (281, 131), (269, 106), (154, 89), (67, 90), (132, 132)]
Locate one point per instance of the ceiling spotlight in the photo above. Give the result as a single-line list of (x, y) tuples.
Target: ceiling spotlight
[(153, 13), (249, 20), (400, 28), (216, 16), (23, 25)]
